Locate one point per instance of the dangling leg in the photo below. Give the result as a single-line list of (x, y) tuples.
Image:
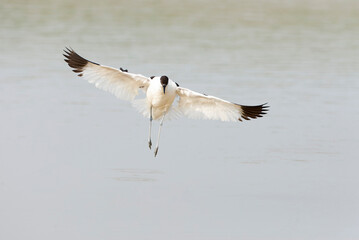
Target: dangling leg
[(159, 134), (149, 137)]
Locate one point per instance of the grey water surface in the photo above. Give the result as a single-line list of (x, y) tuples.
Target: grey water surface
[(74, 160)]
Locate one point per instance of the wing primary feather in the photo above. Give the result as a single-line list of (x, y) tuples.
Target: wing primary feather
[(248, 112), (75, 61)]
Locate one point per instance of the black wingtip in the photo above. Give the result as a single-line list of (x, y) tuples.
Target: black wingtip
[(253, 112), (75, 61)]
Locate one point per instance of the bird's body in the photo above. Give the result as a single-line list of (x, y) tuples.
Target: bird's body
[(161, 93), (159, 101)]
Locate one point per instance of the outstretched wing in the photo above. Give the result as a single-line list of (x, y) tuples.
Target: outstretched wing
[(201, 106), (119, 82)]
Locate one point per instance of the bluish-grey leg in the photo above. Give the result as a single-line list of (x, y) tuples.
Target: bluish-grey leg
[(149, 137), (159, 134)]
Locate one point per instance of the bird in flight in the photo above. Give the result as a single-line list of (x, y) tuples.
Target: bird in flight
[(160, 92)]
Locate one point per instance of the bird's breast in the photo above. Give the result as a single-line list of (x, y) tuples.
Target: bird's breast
[(157, 98)]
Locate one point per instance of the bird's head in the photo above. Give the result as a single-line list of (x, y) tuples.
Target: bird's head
[(164, 82)]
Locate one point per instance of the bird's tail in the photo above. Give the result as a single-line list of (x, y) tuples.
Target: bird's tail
[(143, 107)]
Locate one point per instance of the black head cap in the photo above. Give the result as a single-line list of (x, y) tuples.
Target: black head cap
[(164, 80)]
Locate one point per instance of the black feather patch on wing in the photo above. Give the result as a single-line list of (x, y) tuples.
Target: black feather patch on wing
[(75, 61), (249, 112)]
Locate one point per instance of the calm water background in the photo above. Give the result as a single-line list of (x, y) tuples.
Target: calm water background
[(74, 161)]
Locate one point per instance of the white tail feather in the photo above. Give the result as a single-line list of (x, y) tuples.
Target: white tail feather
[(143, 107)]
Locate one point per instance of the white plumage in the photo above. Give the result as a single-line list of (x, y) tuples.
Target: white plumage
[(160, 94), (123, 85)]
